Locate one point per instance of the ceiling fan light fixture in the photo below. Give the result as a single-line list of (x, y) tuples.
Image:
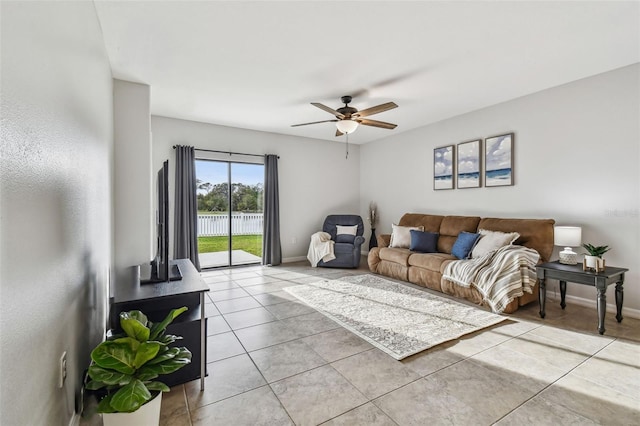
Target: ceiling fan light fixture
[(347, 126)]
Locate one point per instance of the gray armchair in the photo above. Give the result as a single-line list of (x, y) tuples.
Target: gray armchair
[(347, 254)]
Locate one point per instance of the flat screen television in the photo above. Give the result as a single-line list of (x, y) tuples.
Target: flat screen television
[(161, 269)]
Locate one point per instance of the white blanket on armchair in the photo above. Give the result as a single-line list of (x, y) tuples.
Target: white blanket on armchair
[(320, 248)]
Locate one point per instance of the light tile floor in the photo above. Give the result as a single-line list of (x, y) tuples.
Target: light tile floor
[(275, 361)]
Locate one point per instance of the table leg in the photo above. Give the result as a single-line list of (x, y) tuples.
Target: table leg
[(563, 293), (203, 341), (542, 296), (619, 298), (602, 306)]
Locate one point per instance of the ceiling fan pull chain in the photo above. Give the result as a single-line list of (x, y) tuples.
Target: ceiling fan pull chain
[(347, 156)]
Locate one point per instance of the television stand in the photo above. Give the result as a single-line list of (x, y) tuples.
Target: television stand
[(156, 300), (147, 275)]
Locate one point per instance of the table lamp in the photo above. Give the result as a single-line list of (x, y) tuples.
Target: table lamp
[(567, 237)]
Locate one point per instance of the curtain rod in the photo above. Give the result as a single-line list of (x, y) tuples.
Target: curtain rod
[(226, 152)]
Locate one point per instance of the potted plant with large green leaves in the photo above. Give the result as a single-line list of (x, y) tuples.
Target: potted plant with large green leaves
[(594, 259), (125, 367)]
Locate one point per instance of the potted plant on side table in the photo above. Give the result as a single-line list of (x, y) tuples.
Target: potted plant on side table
[(124, 369), (594, 259)]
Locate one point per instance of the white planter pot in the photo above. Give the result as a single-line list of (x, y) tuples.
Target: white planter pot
[(594, 262), (147, 415)]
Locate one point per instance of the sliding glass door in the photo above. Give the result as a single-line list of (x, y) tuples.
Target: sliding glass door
[(230, 213)]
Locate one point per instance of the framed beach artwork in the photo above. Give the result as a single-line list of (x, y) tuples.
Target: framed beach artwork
[(498, 160), (443, 167), (468, 170)]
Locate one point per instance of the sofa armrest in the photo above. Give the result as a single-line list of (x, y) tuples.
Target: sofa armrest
[(358, 241), (384, 240)]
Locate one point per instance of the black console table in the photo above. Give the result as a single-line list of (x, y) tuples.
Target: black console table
[(156, 300), (574, 273)]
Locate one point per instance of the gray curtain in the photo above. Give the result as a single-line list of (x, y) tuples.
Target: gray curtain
[(185, 244), (271, 251)]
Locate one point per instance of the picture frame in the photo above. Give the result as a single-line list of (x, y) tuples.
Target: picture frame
[(443, 167), (498, 160), (469, 164)]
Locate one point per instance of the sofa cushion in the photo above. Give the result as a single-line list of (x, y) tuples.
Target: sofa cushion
[(345, 238), (424, 278), (423, 242), (384, 240), (492, 240), (393, 270), (534, 233), (401, 236), (463, 245), (430, 261), (343, 248), (396, 255), (429, 222), (451, 226)]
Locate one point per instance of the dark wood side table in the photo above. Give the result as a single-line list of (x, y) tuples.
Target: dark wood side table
[(575, 274)]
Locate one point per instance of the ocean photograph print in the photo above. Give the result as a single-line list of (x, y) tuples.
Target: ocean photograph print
[(498, 160), (443, 167), (469, 164)]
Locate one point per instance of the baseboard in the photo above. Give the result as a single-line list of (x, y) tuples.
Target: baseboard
[(301, 258), (581, 301), (75, 420), (293, 259)]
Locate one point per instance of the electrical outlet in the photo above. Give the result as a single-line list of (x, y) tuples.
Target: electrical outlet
[(62, 373), (294, 240)]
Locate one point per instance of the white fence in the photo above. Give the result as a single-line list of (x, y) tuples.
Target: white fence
[(216, 225)]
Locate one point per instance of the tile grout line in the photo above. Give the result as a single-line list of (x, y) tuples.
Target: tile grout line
[(267, 383), (186, 402), (370, 400), (422, 377), (556, 380), (246, 352)]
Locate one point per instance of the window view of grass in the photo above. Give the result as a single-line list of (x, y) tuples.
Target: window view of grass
[(249, 243), (230, 202)]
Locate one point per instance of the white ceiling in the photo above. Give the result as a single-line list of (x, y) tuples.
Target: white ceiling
[(258, 65)]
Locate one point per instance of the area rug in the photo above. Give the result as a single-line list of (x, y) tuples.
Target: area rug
[(396, 318)]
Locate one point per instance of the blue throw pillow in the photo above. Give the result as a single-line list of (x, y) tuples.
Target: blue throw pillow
[(423, 242), (345, 238), (464, 244)]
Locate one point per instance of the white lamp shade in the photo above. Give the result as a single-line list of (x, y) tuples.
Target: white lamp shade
[(347, 126), (567, 236)]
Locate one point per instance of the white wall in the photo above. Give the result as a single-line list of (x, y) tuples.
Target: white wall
[(576, 161), (134, 216), (56, 201), (315, 179)]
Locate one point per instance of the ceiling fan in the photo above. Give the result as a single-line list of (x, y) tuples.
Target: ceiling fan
[(348, 118)]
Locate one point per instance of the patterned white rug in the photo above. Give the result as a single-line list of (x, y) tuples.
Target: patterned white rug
[(398, 319)]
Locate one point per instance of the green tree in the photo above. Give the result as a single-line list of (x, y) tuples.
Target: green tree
[(244, 198)]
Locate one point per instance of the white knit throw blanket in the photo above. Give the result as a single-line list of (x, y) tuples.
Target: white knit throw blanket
[(320, 248), (500, 276)]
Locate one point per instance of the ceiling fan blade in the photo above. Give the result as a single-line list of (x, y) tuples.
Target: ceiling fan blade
[(376, 109), (314, 122), (329, 110), (338, 133), (376, 123)]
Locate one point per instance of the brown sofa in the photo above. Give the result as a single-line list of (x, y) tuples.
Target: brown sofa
[(426, 269)]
